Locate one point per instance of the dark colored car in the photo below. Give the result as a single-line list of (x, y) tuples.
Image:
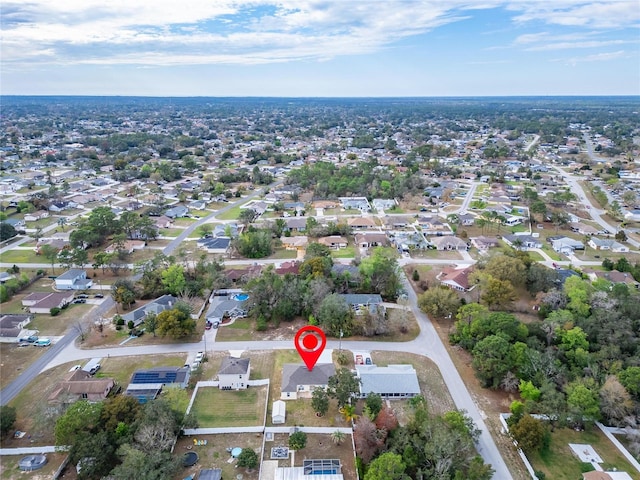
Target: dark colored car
[(98, 295)]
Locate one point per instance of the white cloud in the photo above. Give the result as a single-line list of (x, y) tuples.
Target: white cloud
[(166, 32), (596, 57)]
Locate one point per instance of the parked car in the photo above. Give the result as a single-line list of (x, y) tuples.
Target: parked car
[(98, 295), (82, 295), (208, 325), (368, 361), (359, 360), (80, 300), (29, 339), (199, 357), (42, 342), (93, 370)]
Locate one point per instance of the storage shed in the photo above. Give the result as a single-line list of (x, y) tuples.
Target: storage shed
[(278, 413)]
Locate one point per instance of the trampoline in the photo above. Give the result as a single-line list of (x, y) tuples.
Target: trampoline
[(235, 452), (32, 462), (189, 459)]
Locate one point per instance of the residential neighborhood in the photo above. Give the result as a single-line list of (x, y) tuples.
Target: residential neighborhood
[(461, 266)]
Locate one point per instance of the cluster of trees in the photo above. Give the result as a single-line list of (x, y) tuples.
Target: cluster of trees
[(428, 446), (314, 292), (121, 438), (360, 179), (102, 223), (579, 364), (623, 265), (13, 285)]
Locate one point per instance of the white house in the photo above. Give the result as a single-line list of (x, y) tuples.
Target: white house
[(35, 216), (392, 381), (73, 279), (278, 412), (234, 373)]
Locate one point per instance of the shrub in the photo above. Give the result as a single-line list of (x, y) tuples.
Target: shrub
[(261, 324), (118, 320), (54, 311), (130, 324), (415, 276)]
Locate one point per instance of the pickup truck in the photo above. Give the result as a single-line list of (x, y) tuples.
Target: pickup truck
[(42, 342)]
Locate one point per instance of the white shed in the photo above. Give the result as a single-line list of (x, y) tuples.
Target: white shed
[(278, 412)]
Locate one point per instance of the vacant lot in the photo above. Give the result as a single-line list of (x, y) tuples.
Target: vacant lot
[(559, 462), (230, 408)]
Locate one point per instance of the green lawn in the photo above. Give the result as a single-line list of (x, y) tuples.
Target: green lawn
[(239, 330), (348, 252), (231, 214), (22, 256), (229, 408), (283, 254), (171, 232), (559, 462)]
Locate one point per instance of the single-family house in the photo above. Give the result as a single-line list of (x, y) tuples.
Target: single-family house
[(583, 229), (566, 245), (297, 243), (384, 203), (198, 205), (355, 203), (80, 385), (43, 302), (362, 302), (163, 221), (178, 211), (449, 243), (57, 243), (61, 205), (349, 274), (35, 216), (243, 275), (278, 412), (157, 306), (17, 223), (227, 304), (393, 222), (230, 230), (607, 244), (128, 246), (311, 469), (614, 276), (371, 239), (234, 373), (632, 215), (163, 376), (217, 245), (466, 219), (456, 278), (522, 242), (299, 382), (5, 277), (12, 326), (362, 223), (601, 475), (73, 279), (390, 382), (483, 243), (295, 224), (291, 266), (335, 242)]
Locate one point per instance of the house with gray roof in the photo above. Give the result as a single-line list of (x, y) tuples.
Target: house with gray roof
[(234, 373), (355, 203), (12, 326), (298, 381), (361, 302), (219, 245), (177, 212), (73, 279), (231, 305), (159, 305), (392, 381), (522, 242)]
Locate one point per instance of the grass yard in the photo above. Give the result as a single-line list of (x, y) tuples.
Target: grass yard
[(11, 471), (559, 462), (438, 254), (348, 252), (171, 232), (283, 254), (229, 408), (241, 329), (22, 256), (231, 214)]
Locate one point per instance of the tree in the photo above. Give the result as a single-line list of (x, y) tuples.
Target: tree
[(343, 386), (506, 268), (79, 257), (254, 244), (615, 401), (95, 451), (123, 292), (7, 231), (492, 360), (50, 253), (388, 466), (141, 465), (621, 236), (380, 273), (439, 302), (530, 433), (338, 437), (65, 258), (386, 419), (349, 413), (498, 293), (368, 439), (204, 230), (151, 323), (173, 279), (583, 403), (630, 378), (373, 405), (335, 315), (247, 215), (117, 410), (529, 391), (80, 417), (175, 323), (320, 401), (298, 440), (158, 427), (248, 458), (7, 419)]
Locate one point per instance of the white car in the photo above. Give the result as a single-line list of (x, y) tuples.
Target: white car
[(199, 357)]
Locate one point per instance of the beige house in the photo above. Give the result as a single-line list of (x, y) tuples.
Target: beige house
[(334, 241), (80, 385), (295, 243)]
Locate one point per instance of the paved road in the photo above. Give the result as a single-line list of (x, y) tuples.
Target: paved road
[(427, 343)]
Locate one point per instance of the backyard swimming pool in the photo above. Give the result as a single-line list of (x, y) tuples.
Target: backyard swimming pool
[(240, 297)]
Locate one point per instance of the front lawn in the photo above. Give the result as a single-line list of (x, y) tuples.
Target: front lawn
[(348, 252), (22, 256)]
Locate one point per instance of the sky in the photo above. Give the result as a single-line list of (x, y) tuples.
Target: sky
[(320, 48)]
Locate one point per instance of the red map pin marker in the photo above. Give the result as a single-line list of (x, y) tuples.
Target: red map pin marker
[(310, 342)]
